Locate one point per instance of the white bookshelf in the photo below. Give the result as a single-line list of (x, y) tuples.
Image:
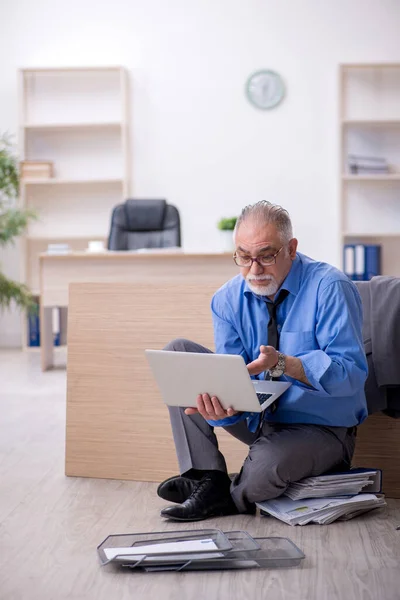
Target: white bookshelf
[(77, 118), (369, 125)]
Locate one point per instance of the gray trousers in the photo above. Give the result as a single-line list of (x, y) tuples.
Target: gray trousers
[(279, 454)]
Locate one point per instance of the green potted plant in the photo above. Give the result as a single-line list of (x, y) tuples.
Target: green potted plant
[(226, 225), (13, 222)]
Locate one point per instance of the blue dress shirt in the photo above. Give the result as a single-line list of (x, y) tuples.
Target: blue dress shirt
[(319, 322)]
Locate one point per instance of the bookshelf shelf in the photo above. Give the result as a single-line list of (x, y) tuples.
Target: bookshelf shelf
[(371, 234), (83, 125), (57, 70), (55, 181), (76, 118), (371, 123), (369, 66), (372, 178), (369, 130)]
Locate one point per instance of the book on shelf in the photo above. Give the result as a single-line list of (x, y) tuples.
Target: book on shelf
[(361, 262), (34, 327), (367, 164), (55, 321)]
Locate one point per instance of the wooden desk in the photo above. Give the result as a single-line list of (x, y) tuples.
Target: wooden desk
[(58, 271), (117, 424)]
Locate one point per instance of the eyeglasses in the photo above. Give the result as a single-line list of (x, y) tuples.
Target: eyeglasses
[(266, 260)]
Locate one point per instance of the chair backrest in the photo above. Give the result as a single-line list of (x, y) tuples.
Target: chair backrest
[(381, 335), (144, 224)]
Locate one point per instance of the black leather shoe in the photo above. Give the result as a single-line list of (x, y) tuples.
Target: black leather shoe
[(210, 498), (176, 489)]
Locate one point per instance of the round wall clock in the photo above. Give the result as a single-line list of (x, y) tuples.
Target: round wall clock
[(265, 89)]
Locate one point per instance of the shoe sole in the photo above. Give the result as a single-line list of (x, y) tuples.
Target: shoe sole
[(187, 520)]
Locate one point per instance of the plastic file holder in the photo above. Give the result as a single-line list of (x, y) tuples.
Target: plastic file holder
[(145, 547), (245, 552)]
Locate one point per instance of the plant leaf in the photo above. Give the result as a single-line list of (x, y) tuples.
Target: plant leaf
[(18, 292)]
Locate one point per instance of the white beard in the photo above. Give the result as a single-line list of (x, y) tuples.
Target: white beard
[(269, 289)]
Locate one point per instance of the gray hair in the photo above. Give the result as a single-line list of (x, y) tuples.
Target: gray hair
[(266, 213)]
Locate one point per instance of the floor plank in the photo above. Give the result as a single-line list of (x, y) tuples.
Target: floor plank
[(50, 525)]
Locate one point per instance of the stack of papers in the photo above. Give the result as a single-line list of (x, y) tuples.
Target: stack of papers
[(58, 248), (348, 483), (320, 510), (152, 552)]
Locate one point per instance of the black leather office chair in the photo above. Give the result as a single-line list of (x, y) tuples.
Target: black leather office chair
[(144, 224)]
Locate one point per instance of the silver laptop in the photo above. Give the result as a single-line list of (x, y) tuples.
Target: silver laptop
[(182, 376)]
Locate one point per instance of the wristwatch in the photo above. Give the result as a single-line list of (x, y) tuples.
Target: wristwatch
[(280, 366)]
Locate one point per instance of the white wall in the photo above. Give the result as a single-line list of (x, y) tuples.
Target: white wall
[(196, 141)]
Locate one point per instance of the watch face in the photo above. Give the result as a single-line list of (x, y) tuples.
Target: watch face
[(279, 368), (277, 372), (265, 89)]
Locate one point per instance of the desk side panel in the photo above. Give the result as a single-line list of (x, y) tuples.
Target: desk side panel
[(117, 424)]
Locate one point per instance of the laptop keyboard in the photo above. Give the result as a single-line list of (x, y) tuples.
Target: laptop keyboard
[(263, 397)]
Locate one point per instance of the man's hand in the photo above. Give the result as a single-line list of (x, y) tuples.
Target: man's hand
[(267, 359), (210, 408)]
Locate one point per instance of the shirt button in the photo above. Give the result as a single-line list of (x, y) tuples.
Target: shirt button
[(279, 328)]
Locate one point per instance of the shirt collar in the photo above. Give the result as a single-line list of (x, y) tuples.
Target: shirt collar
[(291, 283)]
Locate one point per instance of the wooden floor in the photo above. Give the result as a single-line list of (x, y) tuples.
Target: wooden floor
[(50, 525)]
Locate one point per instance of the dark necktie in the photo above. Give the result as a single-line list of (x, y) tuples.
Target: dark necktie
[(273, 340), (273, 335)]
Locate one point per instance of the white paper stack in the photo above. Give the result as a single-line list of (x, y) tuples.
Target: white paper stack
[(320, 510), (58, 248), (348, 483), (195, 547)]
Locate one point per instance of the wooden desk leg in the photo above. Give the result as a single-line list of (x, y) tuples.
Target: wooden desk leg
[(46, 338)]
